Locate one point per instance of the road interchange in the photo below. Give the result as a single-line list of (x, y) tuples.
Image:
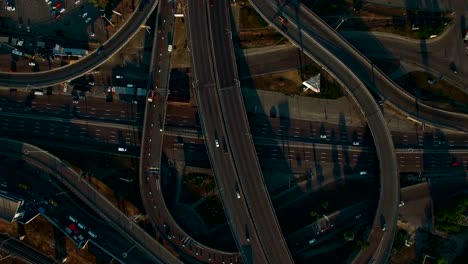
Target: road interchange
[(86, 64)]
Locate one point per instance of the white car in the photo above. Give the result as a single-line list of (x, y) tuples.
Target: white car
[(401, 204), (73, 219), (238, 195), (62, 10), (84, 15), (80, 225), (119, 77), (122, 149), (323, 136), (355, 143), (32, 63), (77, 2), (312, 241), (217, 143), (92, 234), (88, 20)]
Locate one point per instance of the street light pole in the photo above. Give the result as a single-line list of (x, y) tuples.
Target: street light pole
[(125, 254)]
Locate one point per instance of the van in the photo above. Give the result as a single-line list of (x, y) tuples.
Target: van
[(363, 173), (17, 52), (92, 234)]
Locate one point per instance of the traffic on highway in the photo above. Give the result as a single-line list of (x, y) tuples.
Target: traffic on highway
[(247, 131)]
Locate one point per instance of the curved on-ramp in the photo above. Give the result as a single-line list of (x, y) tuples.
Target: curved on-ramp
[(388, 204), (370, 75), (151, 154), (93, 60)]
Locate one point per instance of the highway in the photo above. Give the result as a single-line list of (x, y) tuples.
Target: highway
[(237, 210), (90, 108), (312, 27), (93, 60), (88, 194), (239, 139), (380, 242), (19, 250), (152, 150)]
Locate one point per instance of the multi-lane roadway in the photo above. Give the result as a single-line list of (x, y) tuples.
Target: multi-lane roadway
[(48, 163), (312, 27), (308, 31), (238, 138)]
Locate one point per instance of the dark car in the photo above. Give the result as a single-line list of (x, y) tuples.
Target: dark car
[(100, 50)]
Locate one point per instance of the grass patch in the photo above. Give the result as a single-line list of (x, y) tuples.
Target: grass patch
[(196, 186), (447, 213), (440, 94), (250, 19), (290, 83), (211, 210)]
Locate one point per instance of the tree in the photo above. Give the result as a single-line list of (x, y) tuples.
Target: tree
[(349, 236), (99, 3), (325, 204), (442, 261), (313, 213), (363, 244)]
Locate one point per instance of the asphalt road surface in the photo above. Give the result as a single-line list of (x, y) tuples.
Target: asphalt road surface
[(236, 209), (104, 208), (314, 31), (93, 60), (239, 140), (22, 251), (380, 242), (436, 54), (151, 151), (91, 108)]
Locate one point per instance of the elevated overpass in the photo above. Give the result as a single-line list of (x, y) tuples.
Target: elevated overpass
[(239, 141), (45, 161), (301, 31)]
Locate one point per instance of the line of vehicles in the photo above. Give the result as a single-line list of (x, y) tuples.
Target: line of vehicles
[(76, 229)]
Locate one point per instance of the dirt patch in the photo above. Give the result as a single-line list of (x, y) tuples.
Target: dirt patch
[(250, 19), (180, 57), (260, 38), (39, 234), (78, 256), (125, 206), (287, 82)]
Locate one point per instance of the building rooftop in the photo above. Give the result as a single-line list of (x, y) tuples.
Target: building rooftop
[(9, 207)]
